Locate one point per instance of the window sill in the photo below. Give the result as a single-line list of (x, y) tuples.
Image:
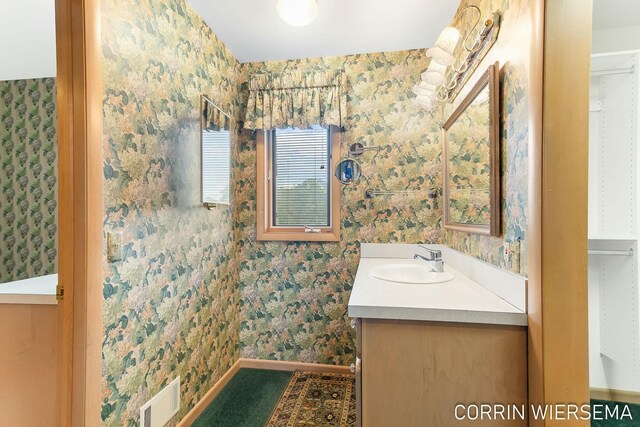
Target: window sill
[(212, 205), (298, 237)]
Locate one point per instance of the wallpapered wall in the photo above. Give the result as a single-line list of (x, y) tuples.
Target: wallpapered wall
[(512, 50), (28, 175), (195, 289), (294, 295), (171, 306)]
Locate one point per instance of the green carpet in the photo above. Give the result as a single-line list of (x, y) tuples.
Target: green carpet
[(250, 396), (634, 409), (247, 400)]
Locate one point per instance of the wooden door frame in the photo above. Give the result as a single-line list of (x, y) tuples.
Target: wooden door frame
[(80, 211), (558, 187), (557, 251)]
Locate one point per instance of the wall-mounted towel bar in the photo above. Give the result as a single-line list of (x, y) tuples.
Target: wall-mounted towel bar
[(371, 193), (611, 252)]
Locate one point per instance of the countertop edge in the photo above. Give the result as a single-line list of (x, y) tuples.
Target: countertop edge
[(439, 315), (28, 299)]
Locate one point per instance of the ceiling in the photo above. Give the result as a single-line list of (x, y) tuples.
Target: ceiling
[(254, 32), (615, 13), (27, 32)]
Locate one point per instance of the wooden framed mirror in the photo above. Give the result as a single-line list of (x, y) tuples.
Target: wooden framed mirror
[(471, 148)]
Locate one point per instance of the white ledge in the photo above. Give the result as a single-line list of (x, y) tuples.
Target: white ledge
[(37, 290)]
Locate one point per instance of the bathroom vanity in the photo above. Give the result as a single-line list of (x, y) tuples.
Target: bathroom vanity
[(28, 354), (424, 348)]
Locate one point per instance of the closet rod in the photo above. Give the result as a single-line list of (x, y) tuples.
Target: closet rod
[(613, 71), (611, 252)]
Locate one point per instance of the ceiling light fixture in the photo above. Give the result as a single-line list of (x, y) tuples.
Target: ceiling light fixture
[(442, 51), (438, 83), (297, 13)]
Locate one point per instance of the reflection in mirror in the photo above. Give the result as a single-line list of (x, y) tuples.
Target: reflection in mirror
[(469, 183), (216, 154), (348, 171), (28, 144), (471, 160)]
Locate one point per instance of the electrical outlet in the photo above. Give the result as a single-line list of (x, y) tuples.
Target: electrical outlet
[(511, 255), (114, 246)]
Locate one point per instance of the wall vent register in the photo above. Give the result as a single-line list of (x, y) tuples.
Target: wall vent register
[(162, 407)]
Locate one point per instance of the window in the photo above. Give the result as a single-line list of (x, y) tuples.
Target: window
[(298, 196)]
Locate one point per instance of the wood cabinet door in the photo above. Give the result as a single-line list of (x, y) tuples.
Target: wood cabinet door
[(415, 373)]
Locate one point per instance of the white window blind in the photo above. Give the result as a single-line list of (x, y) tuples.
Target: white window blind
[(301, 177), (216, 160)]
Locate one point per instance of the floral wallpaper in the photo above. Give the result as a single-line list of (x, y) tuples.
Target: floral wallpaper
[(28, 179), (171, 306), (294, 295), (512, 51), (195, 289), (468, 142)]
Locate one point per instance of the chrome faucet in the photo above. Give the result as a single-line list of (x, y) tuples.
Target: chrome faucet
[(434, 259)]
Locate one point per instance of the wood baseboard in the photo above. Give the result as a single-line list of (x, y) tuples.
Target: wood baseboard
[(274, 365), (277, 365), (211, 394), (616, 395)]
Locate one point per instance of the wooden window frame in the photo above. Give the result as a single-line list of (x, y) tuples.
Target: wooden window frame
[(266, 230)]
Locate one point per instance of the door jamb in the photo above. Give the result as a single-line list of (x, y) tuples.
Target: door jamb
[(558, 187), (80, 211)]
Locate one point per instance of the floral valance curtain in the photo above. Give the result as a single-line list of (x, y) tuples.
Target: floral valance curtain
[(296, 99)]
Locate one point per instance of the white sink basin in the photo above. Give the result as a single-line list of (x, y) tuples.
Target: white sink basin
[(411, 272)]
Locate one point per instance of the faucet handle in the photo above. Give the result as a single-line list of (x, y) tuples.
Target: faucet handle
[(434, 254)]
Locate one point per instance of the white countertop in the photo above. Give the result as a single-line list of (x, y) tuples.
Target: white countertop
[(460, 300), (38, 290)]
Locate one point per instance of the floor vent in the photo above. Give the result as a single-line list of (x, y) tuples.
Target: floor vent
[(158, 411)]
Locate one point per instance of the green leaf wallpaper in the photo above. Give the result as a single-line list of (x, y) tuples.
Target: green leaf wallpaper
[(512, 50), (171, 307), (469, 168), (295, 295), (196, 290), (28, 179)]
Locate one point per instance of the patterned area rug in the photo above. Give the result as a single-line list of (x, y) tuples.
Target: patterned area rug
[(317, 399)]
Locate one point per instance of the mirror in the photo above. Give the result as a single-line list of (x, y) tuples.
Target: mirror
[(348, 171), (216, 154), (471, 160), (28, 146)]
